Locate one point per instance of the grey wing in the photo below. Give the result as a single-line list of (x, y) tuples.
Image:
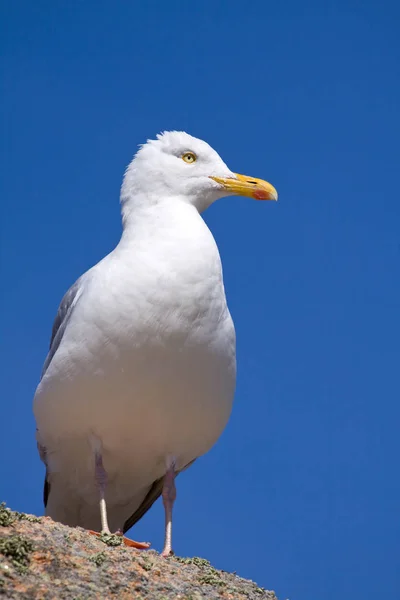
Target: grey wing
[(60, 323), (62, 317), (153, 494)]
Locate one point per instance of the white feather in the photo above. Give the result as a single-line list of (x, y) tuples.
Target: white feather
[(145, 364)]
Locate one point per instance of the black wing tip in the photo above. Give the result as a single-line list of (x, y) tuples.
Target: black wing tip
[(46, 491)]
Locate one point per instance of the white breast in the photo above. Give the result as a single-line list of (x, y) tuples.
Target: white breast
[(147, 364)]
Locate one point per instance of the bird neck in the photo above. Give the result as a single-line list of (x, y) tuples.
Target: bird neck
[(144, 216)]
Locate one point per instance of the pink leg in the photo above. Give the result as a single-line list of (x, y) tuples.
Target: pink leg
[(101, 480), (168, 496)]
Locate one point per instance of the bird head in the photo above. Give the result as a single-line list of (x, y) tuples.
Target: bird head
[(178, 166)]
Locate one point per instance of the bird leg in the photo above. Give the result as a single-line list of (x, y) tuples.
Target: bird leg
[(101, 480), (168, 496)]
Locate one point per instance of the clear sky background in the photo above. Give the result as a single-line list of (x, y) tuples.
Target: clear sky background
[(302, 491)]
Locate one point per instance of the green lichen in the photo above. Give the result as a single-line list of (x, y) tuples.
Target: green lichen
[(111, 540), (195, 560), (99, 558), (17, 549), (8, 517), (211, 579), (146, 563), (30, 518), (209, 575)]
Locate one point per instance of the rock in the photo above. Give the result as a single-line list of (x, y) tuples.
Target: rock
[(43, 560)]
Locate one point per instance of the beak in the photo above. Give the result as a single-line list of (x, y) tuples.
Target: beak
[(248, 186)]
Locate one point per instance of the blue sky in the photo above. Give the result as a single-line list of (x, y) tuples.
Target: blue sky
[(302, 492)]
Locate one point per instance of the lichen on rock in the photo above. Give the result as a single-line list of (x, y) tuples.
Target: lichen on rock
[(42, 560)]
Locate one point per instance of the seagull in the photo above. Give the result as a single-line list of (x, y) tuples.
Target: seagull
[(140, 376)]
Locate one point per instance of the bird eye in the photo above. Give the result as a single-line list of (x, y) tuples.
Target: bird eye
[(189, 157)]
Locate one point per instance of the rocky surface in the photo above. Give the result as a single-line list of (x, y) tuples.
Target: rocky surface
[(41, 559)]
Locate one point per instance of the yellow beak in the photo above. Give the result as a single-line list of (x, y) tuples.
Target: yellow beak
[(248, 186)]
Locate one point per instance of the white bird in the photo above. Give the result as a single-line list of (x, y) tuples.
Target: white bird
[(140, 376)]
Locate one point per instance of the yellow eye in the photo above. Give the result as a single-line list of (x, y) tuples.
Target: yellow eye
[(189, 157)]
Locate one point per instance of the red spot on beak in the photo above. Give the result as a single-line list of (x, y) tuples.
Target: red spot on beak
[(260, 194)]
